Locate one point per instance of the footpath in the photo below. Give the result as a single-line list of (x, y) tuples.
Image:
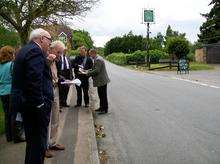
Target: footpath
[(76, 132), (207, 77)]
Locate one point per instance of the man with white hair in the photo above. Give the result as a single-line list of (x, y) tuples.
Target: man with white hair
[(32, 92), (57, 48)]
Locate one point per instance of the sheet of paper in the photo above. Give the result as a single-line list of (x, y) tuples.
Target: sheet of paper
[(75, 81)]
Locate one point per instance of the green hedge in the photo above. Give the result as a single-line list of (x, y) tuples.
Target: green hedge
[(117, 58), (137, 56)]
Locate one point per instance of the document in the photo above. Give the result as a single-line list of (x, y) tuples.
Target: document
[(75, 81)]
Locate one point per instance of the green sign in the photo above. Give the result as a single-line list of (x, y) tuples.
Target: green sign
[(148, 16), (63, 37)]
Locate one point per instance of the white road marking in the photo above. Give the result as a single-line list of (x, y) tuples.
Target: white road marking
[(196, 82)]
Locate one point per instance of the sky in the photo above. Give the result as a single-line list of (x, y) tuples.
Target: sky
[(111, 18)]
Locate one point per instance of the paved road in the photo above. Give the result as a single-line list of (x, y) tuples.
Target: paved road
[(160, 120)]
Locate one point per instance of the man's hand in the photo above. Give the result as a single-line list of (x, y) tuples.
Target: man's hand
[(51, 57)]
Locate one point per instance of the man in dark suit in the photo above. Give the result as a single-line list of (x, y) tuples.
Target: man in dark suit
[(85, 62), (64, 69), (32, 91)]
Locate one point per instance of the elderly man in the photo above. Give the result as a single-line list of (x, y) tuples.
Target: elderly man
[(100, 80), (32, 91), (56, 50)]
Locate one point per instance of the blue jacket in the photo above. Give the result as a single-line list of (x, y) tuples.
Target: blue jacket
[(32, 79), (5, 78)]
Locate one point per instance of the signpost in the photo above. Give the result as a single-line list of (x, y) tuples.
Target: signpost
[(148, 17)]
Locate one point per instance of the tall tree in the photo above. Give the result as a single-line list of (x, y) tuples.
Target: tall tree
[(171, 33), (22, 14), (210, 30), (81, 37)]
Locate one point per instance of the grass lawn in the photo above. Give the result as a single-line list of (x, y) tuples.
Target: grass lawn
[(193, 66), (2, 119)]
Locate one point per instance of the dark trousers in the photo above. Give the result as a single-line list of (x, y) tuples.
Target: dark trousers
[(8, 117), (36, 123), (102, 93), (85, 88), (63, 93)]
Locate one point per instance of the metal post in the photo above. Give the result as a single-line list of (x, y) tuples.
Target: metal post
[(148, 45)]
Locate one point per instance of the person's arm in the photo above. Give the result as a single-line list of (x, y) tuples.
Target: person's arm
[(96, 68), (35, 63)]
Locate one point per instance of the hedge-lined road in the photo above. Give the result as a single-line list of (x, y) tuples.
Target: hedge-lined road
[(160, 120)]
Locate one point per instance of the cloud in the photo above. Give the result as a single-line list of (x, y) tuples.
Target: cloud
[(113, 18)]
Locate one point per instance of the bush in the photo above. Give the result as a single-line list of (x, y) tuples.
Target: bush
[(191, 56), (156, 55), (137, 56), (117, 58), (74, 52), (178, 46)]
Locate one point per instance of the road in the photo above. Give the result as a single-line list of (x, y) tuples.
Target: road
[(156, 119)]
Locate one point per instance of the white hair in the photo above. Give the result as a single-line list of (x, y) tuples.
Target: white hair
[(58, 43), (36, 33)]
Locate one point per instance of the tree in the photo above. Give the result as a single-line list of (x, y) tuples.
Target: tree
[(171, 33), (177, 46), (81, 37), (8, 37), (210, 30), (127, 44), (22, 14)]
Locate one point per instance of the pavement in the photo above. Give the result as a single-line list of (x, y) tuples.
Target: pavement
[(76, 132)]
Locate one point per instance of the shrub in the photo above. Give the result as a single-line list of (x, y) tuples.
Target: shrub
[(156, 55), (178, 46), (117, 58)]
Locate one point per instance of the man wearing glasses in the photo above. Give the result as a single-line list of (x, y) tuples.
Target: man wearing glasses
[(32, 92)]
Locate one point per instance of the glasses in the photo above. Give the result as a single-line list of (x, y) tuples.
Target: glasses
[(48, 38)]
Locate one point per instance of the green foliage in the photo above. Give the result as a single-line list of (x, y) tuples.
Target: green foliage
[(100, 51), (81, 37), (127, 44), (210, 30), (117, 58), (156, 55), (171, 33), (8, 37), (137, 56), (74, 52), (177, 46)]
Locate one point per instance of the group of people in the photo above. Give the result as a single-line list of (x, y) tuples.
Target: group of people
[(32, 92)]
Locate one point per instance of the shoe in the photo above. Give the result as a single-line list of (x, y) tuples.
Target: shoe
[(19, 139), (102, 112), (57, 147), (77, 106), (87, 105), (48, 154), (98, 110)]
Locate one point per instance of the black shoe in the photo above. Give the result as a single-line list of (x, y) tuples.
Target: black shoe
[(102, 112), (98, 110), (20, 139), (76, 106), (87, 105)]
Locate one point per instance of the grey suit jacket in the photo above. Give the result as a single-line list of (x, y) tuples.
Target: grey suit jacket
[(99, 73)]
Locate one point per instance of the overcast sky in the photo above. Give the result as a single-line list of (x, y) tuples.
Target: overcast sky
[(112, 18)]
